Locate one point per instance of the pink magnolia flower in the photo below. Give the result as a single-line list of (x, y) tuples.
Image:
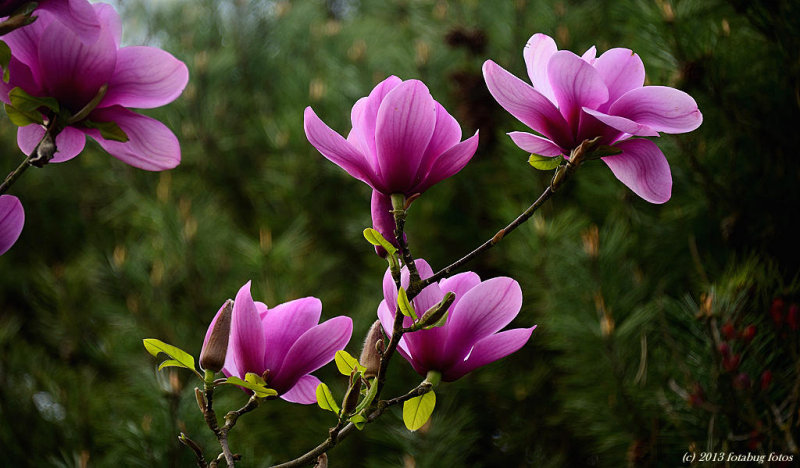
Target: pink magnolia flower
[(51, 60), (579, 98), (471, 336), (77, 15), (12, 217), (402, 141), (287, 340)]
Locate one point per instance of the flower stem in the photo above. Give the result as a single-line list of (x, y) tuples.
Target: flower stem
[(41, 155)]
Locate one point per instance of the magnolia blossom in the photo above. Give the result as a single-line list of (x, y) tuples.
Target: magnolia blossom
[(579, 98), (94, 83), (471, 336), (402, 141), (12, 217), (286, 340), (78, 15)]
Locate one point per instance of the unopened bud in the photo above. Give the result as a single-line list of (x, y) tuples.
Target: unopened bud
[(351, 397), (435, 313), (372, 350), (322, 461), (215, 347), (201, 400)]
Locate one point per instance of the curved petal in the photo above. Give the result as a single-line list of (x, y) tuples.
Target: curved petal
[(24, 42), (109, 20), (622, 70), (622, 124), (643, 168), (365, 117), (312, 350), (69, 142), (78, 15), (284, 324), (151, 145), (576, 84), (12, 218), (247, 336), (405, 124), (386, 318), (335, 148), (73, 71), (459, 285), (535, 144), (304, 391), (488, 350), (483, 310), (449, 163), (662, 108), (590, 56), (446, 134), (145, 77), (527, 104), (19, 76), (382, 219), (538, 50)]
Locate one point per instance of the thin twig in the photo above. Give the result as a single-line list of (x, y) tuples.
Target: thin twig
[(41, 155)]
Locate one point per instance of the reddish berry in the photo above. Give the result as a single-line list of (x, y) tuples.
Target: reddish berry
[(728, 331), (742, 381), (724, 350), (766, 379), (730, 363), (791, 317), (776, 311), (748, 333)]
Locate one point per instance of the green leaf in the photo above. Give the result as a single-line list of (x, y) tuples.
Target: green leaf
[(603, 151), (376, 238), (325, 398), (418, 410), (254, 379), (544, 163), (108, 130), (170, 363), (260, 390), (5, 58), (358, 421), (405, 305), (154, 347), (373, 390), (346, 363), (21, 119), (26, 103)]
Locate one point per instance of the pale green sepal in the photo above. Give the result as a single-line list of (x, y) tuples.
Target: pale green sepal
[(418, 410), (545, 163)]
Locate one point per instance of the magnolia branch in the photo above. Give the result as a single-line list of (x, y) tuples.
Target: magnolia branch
[(41, 155), (205, 401)]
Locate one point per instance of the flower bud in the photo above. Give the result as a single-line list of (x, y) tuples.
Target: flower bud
[(322, 461), (432, 316), (372, 350), (351, 397), (215, 347), (748, 333)]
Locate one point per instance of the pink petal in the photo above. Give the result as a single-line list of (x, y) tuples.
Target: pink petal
[(72, 70), (382, 218), (622, 124), (151, 145), (643, 168), (483, 310), (365, 115), (312, 350), (145, 77), (12, 218), (78, 15), (449, 163), (590, 55), (527, 104), (446, 134), (405, 124), (576, 84), (535, 144), (537, 53), (335, 148), (19, 76), (109, 19), (304, 391), (664, 109), (488, 350), (69, 142), (622, 70), (459, 285), (24, 42), (247, 336), (284, 324)]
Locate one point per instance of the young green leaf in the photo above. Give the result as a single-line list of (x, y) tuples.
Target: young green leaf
[(154, 347), (376, 238), (359, 421), (5, 58), (418, 410), (108, 130), (254, 379), (22, 119), (346, 363), (405, 305), (24, 102), (170, 363), (544, 163), (259, 390), (325, 399)]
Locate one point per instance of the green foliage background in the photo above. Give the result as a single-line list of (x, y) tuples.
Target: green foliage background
[(629, 297)]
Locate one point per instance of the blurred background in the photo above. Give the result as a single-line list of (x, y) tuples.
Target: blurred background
[(662, 329)]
